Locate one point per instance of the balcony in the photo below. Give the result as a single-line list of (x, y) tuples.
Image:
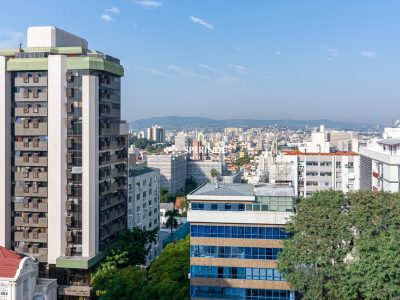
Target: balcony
[(40, 207), (31, 146), (40, 254), (31, 161), (41, 129), (31, 97), (31, 112), (31, 191), (41, 222), (31, 81), (41, 237), (31, 176)]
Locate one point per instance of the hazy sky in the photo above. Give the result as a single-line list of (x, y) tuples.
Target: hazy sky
[(237, 59)]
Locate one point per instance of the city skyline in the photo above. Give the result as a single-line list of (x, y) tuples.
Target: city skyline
[(247, 60)]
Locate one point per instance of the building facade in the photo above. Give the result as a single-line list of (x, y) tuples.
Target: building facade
[(200, 170), (313, 172), (173, 170), (19, 279), (236, 233), (156, 133), (144, 203), (380, 163), (63, 158)]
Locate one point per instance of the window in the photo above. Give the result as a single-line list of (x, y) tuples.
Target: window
[(26, 108), (239, 232)]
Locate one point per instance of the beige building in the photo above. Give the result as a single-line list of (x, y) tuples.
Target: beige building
[(63, 159)]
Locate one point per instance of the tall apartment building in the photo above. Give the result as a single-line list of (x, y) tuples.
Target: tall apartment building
[(236, 233), (200, 170), (63, 160), (156, 133), (321, 171), (173, 170), (144, 203), (380, 163)]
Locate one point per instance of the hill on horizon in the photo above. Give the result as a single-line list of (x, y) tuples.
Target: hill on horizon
[(180, 123)]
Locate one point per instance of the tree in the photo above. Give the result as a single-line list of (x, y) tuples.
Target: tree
[(172, 221), (214, 173), (344, 247), (123, 284), (165, 196), (190, 185), (115, 273), (168, 274)]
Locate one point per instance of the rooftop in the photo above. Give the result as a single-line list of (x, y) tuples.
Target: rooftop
[(238, 189), (389, 142), (275, 190), (140, 171), (9, 263), (337, 153)]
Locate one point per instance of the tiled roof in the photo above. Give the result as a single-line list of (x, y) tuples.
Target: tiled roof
[(9, 263)]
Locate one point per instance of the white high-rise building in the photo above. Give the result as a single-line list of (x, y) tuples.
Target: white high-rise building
[(63, 158), (156, 133), (380, 162)]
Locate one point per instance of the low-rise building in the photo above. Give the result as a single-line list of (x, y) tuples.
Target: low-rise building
[(19, 279)]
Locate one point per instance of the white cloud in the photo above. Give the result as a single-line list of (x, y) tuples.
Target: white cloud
[(153, 71), (333, 53), (106, 18), (114, 10), (239, 69), (226, 79), (10, 38), (207, 67), (149, 3), (181, 71), (367, 54), (201, 22)]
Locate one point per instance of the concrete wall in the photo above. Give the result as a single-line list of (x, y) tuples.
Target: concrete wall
[(5, 155), (57, 150)]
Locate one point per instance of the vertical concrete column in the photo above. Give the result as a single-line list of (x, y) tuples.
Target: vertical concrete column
[(5, 154), (57, 151), (90, 165)]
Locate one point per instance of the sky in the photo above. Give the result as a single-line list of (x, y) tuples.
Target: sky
[(257, 59)]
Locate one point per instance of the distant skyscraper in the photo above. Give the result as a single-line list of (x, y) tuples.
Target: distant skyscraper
[(156, 133), (63, 160)]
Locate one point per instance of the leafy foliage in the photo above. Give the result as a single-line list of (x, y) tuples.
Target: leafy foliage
[(168, 275), (172, 221), (243, 160), (344, 247)]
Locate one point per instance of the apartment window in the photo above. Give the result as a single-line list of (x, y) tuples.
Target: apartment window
[(36, 143), (35, 234), (35, 203), (25, 142), (35, 218), (35, 123), (35, 93), (25, 157), (312, 163), (26, 123), (26, 93), (26, 173), (26, 108), (26, 188), (325, 164), (36, 158), (36, 108), (36, 78), (26, 78), (338, 164), (25, 218), (26, 202), (26, 234), (35, 187), (35, 173)]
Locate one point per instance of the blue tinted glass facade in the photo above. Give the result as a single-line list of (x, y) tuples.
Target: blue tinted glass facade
[(244, 232), (239, 293), (218, 206), (235, 273), (234, 252)]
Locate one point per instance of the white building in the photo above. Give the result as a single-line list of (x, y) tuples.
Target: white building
[(380, 162), (63, 157), (144, 203), (173, 170), (156, 133), (200, 170), (19, 279)]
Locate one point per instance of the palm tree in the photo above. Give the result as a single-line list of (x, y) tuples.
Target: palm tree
[(214, 173), (172, 221)]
